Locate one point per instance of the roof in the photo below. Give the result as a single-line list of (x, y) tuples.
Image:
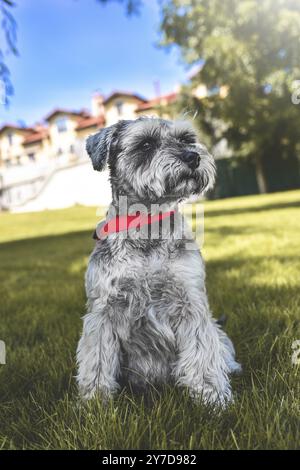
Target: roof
[(121, 94), (164, 99), (15, 128), (91, 121), (79, 114), (36, 136)]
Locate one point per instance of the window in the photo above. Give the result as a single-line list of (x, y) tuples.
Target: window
[(31, 157), (61, 124), (10, 138), (119, 106)]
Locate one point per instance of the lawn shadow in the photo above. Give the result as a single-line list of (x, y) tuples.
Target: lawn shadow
[(56, 264), (82, 234), (209, 212), (228, 230), (258, 314)]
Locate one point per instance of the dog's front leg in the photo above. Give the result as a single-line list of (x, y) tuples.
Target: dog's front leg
[(201, 362), (98, 357)]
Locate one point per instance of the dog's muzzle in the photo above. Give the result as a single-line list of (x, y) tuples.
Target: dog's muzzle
[(191, 159)]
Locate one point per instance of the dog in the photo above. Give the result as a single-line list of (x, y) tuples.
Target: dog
[(148, 320)]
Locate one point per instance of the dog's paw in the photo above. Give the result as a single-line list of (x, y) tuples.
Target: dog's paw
[(101, 393), (212, 397)]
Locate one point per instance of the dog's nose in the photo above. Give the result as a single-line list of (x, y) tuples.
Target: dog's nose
[(192, 159)]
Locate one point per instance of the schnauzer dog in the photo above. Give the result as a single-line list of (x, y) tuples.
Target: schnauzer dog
[(148, 319)]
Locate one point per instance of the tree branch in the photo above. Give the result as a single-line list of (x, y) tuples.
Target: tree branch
[(9, 27)]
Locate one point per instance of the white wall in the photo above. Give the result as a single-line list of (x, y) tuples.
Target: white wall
[(76, 185)]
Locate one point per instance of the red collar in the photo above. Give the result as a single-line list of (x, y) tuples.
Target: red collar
[(122, 223)]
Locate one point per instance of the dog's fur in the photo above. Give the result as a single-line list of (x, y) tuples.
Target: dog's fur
[(148, 319)]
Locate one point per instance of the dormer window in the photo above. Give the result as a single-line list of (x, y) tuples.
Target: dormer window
[(61, 124), (119, 107)]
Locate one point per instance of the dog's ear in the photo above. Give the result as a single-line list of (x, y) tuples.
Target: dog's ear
[(98, 146)]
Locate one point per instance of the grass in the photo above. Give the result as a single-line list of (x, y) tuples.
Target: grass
[(252, 248)]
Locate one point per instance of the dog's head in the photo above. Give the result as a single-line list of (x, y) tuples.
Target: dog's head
[(153, 159)]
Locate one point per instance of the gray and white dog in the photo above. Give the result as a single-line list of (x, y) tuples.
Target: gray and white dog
[(148, 320)]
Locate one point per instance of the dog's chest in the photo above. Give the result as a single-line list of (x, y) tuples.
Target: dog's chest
[(145, 296), (149, 297), (143, 317), (145, 292), (141, 293)]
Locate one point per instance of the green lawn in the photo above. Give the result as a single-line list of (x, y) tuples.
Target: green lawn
[(252, 248)]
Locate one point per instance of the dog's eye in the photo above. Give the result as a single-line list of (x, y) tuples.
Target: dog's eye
[(186, 139), (148, 145)]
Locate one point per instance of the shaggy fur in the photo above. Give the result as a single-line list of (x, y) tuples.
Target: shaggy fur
[(148, 319)]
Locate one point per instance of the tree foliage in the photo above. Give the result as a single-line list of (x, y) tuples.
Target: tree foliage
[(8, 45), (253, 47), (132, 6)]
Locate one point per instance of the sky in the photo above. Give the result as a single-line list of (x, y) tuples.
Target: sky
[(69, 49)]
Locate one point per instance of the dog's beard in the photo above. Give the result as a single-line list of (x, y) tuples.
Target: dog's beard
[(172, 186), (189, 183), (169, 179)]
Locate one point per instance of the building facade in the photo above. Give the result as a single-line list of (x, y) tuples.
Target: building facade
[(62, 133), (29, 156)]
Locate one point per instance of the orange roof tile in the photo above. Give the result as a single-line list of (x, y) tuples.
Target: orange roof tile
[(16, 128), (36, 136), (119, 94), (91, 122), (170, 98)]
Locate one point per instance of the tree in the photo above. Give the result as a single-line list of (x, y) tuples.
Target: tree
[(9, 35), (253, 47), (132, 6)]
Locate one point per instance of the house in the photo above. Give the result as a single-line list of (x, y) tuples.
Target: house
[(121, 105), (31, 157), (63, 132), (11, 144), (156, 106), (68, 130)]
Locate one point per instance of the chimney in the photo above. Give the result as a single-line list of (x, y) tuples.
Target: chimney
[(97, 105)]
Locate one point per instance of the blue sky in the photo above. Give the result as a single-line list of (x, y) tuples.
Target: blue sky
[(70, 48)]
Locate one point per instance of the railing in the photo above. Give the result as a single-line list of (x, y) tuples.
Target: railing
[(19, 185)]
